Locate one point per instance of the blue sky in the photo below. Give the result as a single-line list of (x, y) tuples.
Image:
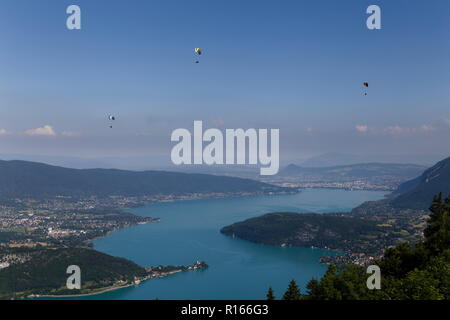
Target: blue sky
[(293, 65)]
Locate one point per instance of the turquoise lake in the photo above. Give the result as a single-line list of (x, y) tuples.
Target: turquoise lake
[(189, 231)]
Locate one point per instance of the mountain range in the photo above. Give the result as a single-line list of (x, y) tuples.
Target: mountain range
[(31, 179), (418, 193), (354, 171), (339, 159), (20, 179)]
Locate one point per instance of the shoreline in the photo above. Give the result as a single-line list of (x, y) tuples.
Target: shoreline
[(102, 290), (118, 287), (90, 242), (81, 294)]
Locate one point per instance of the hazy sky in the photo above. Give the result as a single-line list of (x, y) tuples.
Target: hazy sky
[(293, 65)]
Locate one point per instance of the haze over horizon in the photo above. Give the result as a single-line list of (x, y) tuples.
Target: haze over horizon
[(297, 67), (142, 163)]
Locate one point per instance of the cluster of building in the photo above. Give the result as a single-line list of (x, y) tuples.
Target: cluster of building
[(69, 221), (59, 223), (361, 259), (348, 185), (376, 183)]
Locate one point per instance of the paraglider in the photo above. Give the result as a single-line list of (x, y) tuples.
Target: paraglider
[(365, 84), (198, 52), (111, 118)]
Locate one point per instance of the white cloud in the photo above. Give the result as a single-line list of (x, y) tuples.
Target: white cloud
[(362, 128), (46, 130), (4, 132)]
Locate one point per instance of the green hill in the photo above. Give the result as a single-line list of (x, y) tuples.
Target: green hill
[(21, 179), (43, 271), (333, 231)]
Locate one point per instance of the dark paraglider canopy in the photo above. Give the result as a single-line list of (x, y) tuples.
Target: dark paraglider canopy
[(365, 84), (111, 118)]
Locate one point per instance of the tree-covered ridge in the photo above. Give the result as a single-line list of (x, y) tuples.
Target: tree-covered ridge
[(23, 179), (43, 271), (333, 231), (28, 272), (408, 272)]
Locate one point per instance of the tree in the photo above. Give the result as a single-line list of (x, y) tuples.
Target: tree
[(293, 292), (420, 285), (314, 290), (400, 260), (437, 233), (270, 295), (328, 290), (439, 267)]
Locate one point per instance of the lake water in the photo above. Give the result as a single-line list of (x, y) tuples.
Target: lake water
[(189, 231)]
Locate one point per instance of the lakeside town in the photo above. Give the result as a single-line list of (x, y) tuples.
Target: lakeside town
[(387, 183), (75, 221)]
